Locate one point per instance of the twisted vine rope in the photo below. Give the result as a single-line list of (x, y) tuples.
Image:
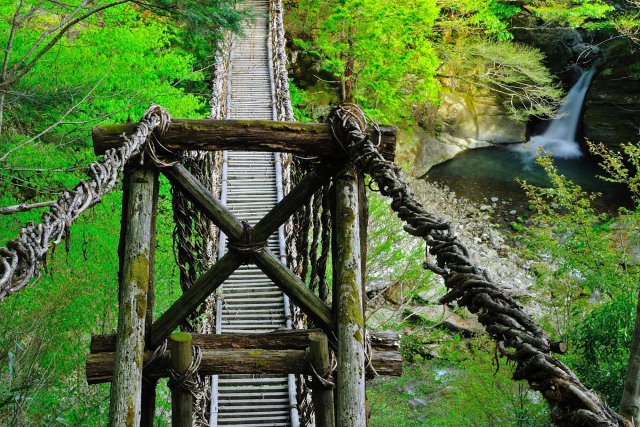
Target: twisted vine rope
[(21, 259), (518, 337), (279, 57)]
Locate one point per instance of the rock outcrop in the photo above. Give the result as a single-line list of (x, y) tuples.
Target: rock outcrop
[(612, 107), (465, 121), (564, 48)]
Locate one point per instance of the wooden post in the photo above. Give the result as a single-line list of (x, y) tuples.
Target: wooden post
[(181, 399), (126, 388), (350, 390), (323, 403), (149, 387)]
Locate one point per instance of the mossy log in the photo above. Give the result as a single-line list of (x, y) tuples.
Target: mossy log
[(386, 358), (308, 139)]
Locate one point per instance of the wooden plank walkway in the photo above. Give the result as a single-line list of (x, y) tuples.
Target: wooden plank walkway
[(249, 301)]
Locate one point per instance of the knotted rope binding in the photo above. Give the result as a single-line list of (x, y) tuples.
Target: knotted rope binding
[(244, 245), (325, 380), (157, 354), (189, 380)]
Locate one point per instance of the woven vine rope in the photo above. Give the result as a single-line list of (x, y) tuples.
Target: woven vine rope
[(22, 258), (518, 337)]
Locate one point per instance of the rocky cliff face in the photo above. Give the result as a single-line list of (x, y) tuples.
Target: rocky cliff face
[(564, 49), (465, 121), (612, 107)]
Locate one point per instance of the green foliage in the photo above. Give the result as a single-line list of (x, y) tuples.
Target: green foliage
[(463, 388), (473, 17), (378, 49), (393, 57), (110, 67), (601, 343), (512, 72), (586, 268), (573, 13), (394, 258)]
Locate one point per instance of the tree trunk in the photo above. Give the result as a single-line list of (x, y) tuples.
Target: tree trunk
[(3, 94), (630, 403)]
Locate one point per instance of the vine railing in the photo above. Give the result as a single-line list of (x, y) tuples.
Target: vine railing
[(517, 336)]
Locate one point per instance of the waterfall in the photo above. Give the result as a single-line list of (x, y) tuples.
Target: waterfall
[(559, 140)]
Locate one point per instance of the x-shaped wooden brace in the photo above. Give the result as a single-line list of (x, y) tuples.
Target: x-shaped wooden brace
[(282, 276)]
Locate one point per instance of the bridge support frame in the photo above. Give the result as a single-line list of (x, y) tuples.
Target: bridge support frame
[(348, 301), (135, 282)]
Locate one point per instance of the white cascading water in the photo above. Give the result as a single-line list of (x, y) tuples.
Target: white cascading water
[(559, 140)]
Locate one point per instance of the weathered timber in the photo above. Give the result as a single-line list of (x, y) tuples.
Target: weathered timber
[(99, 366), (322, 396), (385, 360), (193, 297), (296, 198), (197, 192), (148, 404), (288, 282), (294, 339), (295, 289), (348, 308), (309, 139), (224, 218), (180, 361), (126, 389)]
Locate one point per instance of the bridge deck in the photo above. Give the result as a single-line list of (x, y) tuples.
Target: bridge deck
[(249, 301)]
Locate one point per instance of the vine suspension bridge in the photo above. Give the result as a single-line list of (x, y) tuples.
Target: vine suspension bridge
[(243, 204)]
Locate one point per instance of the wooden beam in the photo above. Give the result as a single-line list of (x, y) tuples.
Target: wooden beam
[(272, 267), (193, 297), (322, 396), (348, 308), (180, 361), (296, 198), (126, 390), (296, 289), (198, 193), (308, 139), (385, 360), (293, 339), (214, 362)]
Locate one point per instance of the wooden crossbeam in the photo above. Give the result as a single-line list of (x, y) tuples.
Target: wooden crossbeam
[(193, 297), (214, 362), (279, 352), (288, 282), (381, 341), (309, 139)]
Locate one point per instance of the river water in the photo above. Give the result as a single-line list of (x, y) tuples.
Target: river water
[(486, 174)]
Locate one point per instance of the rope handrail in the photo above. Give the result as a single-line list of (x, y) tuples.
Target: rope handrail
[(517, 335), (21, 259)]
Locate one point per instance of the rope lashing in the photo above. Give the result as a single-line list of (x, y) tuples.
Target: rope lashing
[(324, 380), (155, 356), (188, 380), (244, 245), (21, 259), (368, 354), (518, 337)]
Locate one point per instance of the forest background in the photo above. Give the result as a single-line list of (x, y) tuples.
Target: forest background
[(66, 66)]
